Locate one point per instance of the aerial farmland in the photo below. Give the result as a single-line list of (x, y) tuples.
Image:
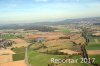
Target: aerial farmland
[(36, 47), (49, 32)]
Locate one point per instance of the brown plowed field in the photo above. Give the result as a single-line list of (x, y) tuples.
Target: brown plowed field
[(93, 52)]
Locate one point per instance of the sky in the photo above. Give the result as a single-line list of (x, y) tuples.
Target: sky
[(23, 11)]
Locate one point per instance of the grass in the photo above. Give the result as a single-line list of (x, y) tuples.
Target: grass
[(37, 59), (62, 29), (99, 39), (20, 53), (65, 30), (76, 64), (97, 58), (8, 36), (19, 50), (19, 56), (92, 45), (53, 45)]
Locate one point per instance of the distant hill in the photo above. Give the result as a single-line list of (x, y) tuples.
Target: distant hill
[(28, 27), (66, 21), (42, 25)]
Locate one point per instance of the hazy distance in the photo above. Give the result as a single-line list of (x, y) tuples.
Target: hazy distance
[(24, 11)]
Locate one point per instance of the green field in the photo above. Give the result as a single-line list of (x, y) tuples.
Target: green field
[(19, 50), (7, 36), (37, 59), (97, 58), (20, 53), (20, 56), (92, 45), (62, 29), (65, 30)]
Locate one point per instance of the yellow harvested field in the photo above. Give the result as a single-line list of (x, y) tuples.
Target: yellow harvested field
[(18, 40), (97, 41), (6, 51), (54, 45), (5, 58), (97, 34), (66, 51), (57, 42), (56, 36), (75, 36), (79, 40), (15, 63), (47, 35), (6, 55), (93, 52), (20, 45), (74, 30)]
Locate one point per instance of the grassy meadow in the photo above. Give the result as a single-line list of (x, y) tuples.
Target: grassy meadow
[(8, 36)]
